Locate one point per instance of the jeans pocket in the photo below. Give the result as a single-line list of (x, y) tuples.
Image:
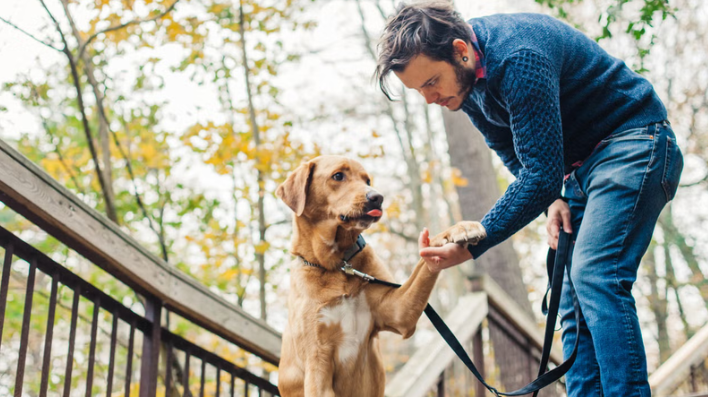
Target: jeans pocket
[(572, 189), (672, 168)]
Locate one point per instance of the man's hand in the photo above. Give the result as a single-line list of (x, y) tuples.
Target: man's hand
[(558, 214), (439, 258)]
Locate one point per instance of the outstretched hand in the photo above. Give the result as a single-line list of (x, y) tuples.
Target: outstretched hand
[(439, 258)]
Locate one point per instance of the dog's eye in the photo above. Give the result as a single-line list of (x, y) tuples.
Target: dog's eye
[(338, 176), (368, 182)]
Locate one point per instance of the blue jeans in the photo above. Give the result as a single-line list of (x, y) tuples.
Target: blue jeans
[(615, 198)]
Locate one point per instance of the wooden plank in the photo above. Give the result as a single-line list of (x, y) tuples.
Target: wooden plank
[(665, 379), (423, 370), (30, 191), (513, 313)]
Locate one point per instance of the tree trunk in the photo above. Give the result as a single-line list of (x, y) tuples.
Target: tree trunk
[(259, 177), (470, 154), (658, 304), (415, 182)]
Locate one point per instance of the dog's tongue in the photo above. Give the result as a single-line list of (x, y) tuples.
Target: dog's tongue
[(374, 213)]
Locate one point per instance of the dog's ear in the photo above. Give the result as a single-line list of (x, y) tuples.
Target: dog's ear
[(293, 191)]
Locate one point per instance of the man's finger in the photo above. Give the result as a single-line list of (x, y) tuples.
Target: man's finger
[(552, 242), (431, 252), (423, 240), (553, 229), (567, 226)]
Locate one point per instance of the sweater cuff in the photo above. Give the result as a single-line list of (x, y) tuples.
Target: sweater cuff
[(483, 245), (479, 249)]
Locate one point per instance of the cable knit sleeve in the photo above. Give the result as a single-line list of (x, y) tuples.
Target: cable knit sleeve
[(529, 88), (503, 147)]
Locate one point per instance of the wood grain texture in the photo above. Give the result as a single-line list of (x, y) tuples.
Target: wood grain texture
[(676, 369)]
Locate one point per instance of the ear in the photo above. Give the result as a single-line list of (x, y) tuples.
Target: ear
[(460, 48), (293, 191)]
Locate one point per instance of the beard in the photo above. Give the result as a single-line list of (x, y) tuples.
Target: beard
[(466, 78)]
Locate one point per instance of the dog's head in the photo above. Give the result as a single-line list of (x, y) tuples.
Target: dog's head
[(332, 188)]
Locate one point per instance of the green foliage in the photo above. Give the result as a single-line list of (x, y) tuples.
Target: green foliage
[(638, 24)]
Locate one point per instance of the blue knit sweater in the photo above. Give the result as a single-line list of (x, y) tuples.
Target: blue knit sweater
[(549, 96)]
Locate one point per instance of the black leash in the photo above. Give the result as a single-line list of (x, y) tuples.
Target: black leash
[(558, 263)]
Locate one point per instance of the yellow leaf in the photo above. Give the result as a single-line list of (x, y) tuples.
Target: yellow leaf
[(229, 274), (394, 209), (261, 247), (458, 179), (427, 176)]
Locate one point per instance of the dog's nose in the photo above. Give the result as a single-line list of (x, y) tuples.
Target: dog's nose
[(374, 197)]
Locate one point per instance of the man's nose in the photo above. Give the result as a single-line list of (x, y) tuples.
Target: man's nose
[(430, 97)]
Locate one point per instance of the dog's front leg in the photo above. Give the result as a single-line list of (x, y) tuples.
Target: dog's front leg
[(319, 368), (401, 308), (319, 376)]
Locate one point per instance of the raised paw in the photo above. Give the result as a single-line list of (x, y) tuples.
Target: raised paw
[(465, 232)]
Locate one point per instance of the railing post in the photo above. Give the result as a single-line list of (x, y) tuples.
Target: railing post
[(478, 356), (441, 385), (151, 349)]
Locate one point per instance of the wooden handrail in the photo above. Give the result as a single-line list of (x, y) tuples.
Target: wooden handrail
[(673, 372), (31, 192)]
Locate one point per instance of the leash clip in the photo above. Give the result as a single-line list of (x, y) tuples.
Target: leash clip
[(348, 269)]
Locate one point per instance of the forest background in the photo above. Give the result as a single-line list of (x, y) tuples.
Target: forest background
[(178, 119)]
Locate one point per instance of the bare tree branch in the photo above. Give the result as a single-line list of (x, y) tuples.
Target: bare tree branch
[(72, 176), (110, 209), (29, 34), (124, 25), (129, 168)]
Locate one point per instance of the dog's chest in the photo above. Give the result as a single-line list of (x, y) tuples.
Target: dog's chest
[(353, 316)]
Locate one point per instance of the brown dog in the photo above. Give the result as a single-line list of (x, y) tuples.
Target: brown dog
[(330, 345)]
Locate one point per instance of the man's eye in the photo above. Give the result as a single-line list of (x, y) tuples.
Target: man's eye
[(338, 176), (432, 83)]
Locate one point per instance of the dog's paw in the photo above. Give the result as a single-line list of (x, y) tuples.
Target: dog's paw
[(465, 232)]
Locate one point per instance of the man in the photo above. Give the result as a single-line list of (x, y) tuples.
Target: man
[(564, 116)]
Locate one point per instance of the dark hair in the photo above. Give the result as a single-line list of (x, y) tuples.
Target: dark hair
[(425, 27)]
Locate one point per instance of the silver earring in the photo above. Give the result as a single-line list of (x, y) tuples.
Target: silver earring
[(464, 59)]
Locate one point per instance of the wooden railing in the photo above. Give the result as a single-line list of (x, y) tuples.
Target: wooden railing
[(32, 193), (685, 373), (432, 371)]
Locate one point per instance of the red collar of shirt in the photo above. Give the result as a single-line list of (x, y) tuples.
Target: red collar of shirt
[(480, 64)]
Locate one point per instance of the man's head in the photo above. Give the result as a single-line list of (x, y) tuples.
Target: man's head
[(427, 45)]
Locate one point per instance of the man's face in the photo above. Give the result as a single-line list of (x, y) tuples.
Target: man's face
[(439, 82)]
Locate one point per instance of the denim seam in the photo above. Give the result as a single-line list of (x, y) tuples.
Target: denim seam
[(629, 138), (634, 359), (598, 384), (621, 134), (576, 185), (667, 164)]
